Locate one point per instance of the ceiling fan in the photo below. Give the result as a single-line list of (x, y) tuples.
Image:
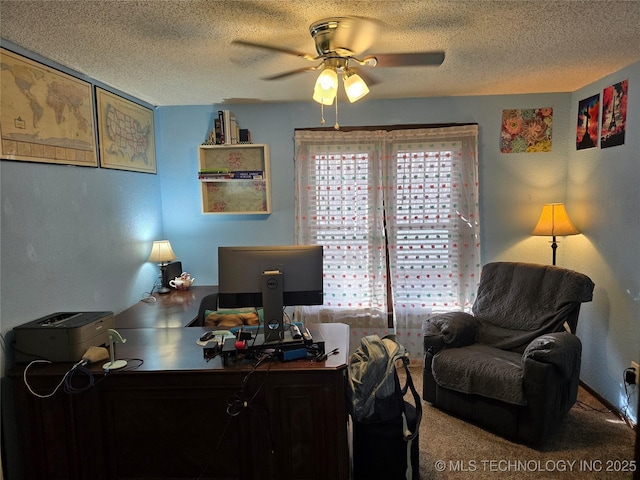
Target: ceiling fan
[(340, 41)]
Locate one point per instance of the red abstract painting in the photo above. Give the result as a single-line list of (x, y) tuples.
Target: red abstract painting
[(588, 121), (614, 114)]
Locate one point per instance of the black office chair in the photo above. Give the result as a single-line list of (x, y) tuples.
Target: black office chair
[(210, 302)]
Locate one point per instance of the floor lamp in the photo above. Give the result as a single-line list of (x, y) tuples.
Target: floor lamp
[(554, 221), (162, 254)]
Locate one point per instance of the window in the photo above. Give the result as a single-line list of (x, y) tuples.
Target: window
[(397, 213), (341, 220), (423, 194)]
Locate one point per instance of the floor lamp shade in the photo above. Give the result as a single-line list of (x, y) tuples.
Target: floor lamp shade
[(554, 221)]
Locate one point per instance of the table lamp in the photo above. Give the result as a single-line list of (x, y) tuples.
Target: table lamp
[(162, 254), (554, 221)]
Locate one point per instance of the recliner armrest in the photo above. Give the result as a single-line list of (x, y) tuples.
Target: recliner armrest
[(561, 349), (455, 329)]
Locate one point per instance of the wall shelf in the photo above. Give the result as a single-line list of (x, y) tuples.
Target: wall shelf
[(235, 179)]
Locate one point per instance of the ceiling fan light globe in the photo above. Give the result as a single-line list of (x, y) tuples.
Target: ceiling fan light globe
[(323, 98), (355, 87), (327, 80), (326, 87)]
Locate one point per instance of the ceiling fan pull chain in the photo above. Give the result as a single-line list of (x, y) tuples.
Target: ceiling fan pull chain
[(336, 126), (322, 114)]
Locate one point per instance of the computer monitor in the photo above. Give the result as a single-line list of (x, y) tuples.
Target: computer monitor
[(271, 277)]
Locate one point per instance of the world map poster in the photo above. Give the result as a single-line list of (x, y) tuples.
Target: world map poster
[(126, 135), (45, 115)]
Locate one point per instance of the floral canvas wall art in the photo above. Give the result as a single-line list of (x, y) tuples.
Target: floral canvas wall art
[(588, 120), (614, 114), (526, 130)]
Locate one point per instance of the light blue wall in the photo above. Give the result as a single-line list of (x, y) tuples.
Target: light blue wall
[(73, 238), (604, 192), (514, 186)]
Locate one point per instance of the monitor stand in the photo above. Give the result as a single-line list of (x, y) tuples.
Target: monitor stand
[(271, 283)]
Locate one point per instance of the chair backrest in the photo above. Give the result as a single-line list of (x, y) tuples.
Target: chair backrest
[(209, 302), (517, 302)]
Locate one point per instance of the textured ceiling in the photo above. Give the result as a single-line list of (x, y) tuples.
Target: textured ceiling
[(179, 52)]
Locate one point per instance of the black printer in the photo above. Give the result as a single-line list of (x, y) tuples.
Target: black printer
[(62, 336)]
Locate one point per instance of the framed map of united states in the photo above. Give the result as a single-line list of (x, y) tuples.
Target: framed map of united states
[(126, 134), (46, 115)]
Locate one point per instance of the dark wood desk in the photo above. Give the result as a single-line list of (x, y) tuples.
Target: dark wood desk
[(171, 310), (176, 415)]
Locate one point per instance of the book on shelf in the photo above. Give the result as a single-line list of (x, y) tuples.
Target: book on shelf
[(227, 120), (233, 128), (214, 174), (248, 175), (217, 128), (244, 135), (214, 178), (227, 131), (229, 175)]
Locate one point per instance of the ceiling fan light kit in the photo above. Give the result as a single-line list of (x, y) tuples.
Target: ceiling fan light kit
[(338, 41), (326, 87), (354, 85)]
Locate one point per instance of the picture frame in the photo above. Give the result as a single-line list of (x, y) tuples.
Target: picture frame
[(614, 114), (125, 134), (46, 116), (587, 122), (526, 130)]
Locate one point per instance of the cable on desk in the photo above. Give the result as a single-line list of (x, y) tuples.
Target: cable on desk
[(130, 367), (237, 402), (74, 372), (62, 382), (148, 297), (77, 369)]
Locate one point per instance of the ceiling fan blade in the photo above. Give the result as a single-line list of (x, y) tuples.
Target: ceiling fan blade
[(274, 48), (278, 76), (408, 59)]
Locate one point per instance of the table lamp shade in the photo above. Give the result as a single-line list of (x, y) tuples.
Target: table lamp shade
[(161, 252), (554, 221)]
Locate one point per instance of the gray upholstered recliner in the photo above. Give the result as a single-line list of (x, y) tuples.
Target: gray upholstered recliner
[(511, 367)]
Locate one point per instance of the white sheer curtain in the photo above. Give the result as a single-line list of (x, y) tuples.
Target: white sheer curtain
[(403, 202), (433, 227), (338, 204)]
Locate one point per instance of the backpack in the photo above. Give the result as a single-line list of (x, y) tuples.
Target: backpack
[(374, 390), (375, 395)]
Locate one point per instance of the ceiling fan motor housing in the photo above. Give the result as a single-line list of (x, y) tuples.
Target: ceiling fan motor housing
[(342, 40), (342, 36)]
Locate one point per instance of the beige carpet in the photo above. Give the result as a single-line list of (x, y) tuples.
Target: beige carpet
[(591, 443)]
